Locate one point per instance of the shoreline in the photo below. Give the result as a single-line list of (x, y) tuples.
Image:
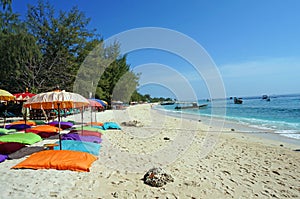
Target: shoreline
[(230, 126)]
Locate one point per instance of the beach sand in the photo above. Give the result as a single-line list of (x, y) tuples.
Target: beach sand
[(204, 162)]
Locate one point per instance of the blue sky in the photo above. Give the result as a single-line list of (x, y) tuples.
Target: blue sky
[(254, 43)]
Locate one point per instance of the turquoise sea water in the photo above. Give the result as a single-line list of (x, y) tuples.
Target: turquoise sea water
[(280, 115)]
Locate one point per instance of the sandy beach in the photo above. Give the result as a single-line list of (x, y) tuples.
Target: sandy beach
[(204, 162)]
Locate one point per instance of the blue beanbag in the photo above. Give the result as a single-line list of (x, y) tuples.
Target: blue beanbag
[(111, 125), (74, 145)]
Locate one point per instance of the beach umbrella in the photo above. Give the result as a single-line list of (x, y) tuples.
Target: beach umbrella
[(5, 96), (24, 96), (94, 104), (103, 103), (56, 100)]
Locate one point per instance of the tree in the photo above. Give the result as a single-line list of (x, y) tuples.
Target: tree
[(18, 51), (19, 56), (117, 81), (60, 39)]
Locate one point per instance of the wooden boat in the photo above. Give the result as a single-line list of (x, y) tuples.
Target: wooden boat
[(193, 106)]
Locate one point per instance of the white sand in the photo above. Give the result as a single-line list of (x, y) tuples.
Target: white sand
[(203, 162)]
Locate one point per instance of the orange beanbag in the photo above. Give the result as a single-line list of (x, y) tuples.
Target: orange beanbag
[(30, 123), (95, 123), (58, 159), (44, 128)]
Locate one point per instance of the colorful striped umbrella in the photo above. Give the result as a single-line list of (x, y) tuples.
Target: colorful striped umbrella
[(24, 96)]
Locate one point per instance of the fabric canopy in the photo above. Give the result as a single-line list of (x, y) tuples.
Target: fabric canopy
[(94, 103), (24, 96), (51, 100), (6, 96), (102, 102)]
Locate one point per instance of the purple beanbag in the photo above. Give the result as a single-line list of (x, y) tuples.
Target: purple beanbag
[(3, 157), (74, 136), (63, 125), (18, 127)]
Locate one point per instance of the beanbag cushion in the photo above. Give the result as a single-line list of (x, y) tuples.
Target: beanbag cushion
[(74, 145), (63, 125), (10, 147), (3, 157), (60, 160), (89, 128), (6, 131), (111, 125), (44, 128), (18, 127), (95, 123), (29, 122), (87, 133), (24, 138), (46, 134), (74, 136), (25, 151)]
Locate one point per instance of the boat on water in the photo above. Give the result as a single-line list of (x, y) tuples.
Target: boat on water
[(167, 103), (266, 97), (190, 106), (237, 100)]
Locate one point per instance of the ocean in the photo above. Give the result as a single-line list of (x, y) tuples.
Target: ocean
[(280, 115)]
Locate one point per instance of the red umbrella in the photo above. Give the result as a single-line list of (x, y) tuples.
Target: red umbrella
[(94, 103), (24, 96)]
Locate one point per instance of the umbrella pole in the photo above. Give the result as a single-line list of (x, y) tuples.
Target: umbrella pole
[(5, 113), (59, 135), (82, 121), (91, 115), (4, 119), (25, 119)]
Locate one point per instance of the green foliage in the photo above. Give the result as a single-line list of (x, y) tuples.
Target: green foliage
[(117, 82), (54, 48), (19, 55), (61, 40)]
